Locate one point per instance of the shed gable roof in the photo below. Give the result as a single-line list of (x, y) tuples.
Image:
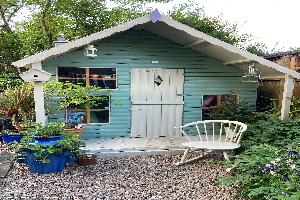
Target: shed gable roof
[(179, 33)]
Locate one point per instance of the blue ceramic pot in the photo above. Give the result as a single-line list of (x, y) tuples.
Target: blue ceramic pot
[(56, 164), (12, 138), (50, 140)]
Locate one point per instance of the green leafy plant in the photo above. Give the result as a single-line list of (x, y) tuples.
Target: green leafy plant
[(50, 129), (70, 143), (268, 164), (69, 94), (266, 172), (234, 109)]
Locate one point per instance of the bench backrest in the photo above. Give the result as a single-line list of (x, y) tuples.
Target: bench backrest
[(215, 130)]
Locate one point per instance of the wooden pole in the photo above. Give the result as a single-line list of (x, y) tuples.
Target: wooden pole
[(39, 103), (286, 97), (40, 116)]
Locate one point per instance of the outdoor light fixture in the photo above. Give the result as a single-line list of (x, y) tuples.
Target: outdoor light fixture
[(252, 75), (90, 51)]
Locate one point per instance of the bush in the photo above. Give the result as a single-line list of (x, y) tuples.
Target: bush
[(266, 172), (9, 80), (269, 165), (234, 109)]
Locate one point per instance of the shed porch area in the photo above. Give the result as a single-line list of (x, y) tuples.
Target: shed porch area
[(135, 145)]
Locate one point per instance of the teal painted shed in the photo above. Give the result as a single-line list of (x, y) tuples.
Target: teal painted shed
[(158, 74)]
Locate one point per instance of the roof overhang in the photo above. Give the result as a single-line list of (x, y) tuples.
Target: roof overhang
[(179, 33)]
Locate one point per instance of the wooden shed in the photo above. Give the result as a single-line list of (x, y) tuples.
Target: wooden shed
[(160, 74)]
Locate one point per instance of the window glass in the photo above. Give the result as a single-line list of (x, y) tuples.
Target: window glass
[(104, 78), (212, 102), (97, 113)]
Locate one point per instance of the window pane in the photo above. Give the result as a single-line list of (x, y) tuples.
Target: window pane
[(76, 116), (104, 78), (102, 104), (209, 100), (72, 74), (100, 116)]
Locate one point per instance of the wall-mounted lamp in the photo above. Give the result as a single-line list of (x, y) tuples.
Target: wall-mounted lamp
[(252, 75), (89, 51)]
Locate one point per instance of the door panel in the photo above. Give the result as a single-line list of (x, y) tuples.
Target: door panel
[(157, 102)]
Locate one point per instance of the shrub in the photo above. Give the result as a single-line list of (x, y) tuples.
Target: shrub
[(266, 172), (234, 109)]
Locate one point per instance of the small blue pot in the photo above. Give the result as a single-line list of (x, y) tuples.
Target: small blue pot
[(50, 140), (12, 138), (56, 164), (22, 160), (70, 158)]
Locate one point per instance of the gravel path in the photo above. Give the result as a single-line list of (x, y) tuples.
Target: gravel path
[(136, 177)]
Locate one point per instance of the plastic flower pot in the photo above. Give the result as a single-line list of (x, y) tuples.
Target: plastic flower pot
[(12, 138), (50, 140), (56, 164)]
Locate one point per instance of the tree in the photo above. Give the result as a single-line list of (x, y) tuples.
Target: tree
[(195, 17)]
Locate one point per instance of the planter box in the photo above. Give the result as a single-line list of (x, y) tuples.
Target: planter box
[(12, 138), (56, 164), (78, 131)]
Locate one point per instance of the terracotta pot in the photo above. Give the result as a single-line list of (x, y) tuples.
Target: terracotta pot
[(78, 131), (87, 160)]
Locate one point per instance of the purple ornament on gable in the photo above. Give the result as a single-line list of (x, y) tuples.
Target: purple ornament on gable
[(155, 15)]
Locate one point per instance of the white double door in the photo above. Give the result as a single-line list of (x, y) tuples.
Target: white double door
[(157, 102)]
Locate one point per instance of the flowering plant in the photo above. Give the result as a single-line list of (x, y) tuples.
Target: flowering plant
[(266, 172)]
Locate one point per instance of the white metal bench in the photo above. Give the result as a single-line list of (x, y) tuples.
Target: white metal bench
[(211, 135)]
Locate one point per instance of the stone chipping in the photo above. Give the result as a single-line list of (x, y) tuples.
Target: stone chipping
[(131, 177)]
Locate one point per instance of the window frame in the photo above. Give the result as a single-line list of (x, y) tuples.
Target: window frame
[(89, 110), (117, 85)]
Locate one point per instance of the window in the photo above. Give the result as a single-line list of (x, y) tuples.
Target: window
[(82, 114), (105, 78), (212, 102)]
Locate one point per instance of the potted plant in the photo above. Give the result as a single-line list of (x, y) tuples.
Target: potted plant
[(8, 132), (49, 156)]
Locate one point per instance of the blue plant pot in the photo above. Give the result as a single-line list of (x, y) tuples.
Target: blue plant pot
[(50, 140), (56, 164), (70, 158), (12, 138), (22, 160)]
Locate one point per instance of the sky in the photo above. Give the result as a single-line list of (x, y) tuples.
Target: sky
[(273, 22)]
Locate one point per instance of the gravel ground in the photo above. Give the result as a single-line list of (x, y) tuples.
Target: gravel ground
[(136, 177)]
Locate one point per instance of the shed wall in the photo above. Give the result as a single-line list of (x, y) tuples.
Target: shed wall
[(137, 49)]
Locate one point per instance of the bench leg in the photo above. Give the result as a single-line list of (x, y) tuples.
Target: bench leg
[(183, 160), (185, 155), (226, 155)]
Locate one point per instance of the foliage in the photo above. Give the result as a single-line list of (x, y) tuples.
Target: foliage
[(234, 109), (195, 17), (267, 172), (254, 173), (70, 143), (8, 80), (17, 102), (50, 129), (68, 94)]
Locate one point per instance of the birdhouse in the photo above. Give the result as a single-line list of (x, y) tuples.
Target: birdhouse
[(35, 75), (90, 51)]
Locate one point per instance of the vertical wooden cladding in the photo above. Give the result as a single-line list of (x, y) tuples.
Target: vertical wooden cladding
[(137, 49)]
